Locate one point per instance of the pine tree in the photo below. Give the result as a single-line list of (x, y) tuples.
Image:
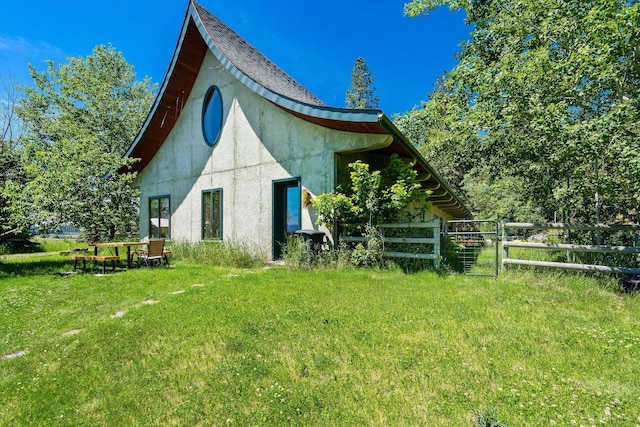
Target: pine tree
[(361, 93)]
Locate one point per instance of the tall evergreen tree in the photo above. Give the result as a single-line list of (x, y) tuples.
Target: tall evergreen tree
[(361, 94)]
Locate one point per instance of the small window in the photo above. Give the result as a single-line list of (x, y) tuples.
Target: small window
[(212, 116), (159, 217), (212, 214)]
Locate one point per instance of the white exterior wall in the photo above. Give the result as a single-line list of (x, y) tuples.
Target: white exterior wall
[(259, 143)]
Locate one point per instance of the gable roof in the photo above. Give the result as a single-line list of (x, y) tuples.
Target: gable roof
[(202, 31), (247, 64)]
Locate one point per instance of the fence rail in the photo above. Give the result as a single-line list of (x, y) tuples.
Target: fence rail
[(506, 244), (431, 242), (576, 248), (571, 266), (563, 226)]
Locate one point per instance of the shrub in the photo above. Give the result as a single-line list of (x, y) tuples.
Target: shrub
[(296, 255), (369, 253), (372, 197)]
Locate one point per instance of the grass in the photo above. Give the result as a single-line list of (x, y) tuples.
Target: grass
[(38, 245), (219, 253), (200, 345)]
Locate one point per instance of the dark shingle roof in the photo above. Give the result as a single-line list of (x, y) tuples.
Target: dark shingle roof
[(251, 62)]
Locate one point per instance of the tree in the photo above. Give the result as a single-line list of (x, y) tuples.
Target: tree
[(10, 127), (436, 128), (79, 119), (372, 197), (552, 91), (10, 131), (361, 94), (448, 141)]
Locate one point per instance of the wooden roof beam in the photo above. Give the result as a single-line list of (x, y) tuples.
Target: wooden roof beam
[(423, 176), (440, 200)]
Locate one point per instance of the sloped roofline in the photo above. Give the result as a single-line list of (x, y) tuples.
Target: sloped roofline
[(319, 110), (162, 92), (201, 24)]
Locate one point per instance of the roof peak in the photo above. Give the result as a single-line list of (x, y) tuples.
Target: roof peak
[(249, 61)]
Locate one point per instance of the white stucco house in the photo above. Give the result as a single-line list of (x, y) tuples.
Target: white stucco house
[(233, 147)]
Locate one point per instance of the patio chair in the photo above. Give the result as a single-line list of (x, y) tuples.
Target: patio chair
[(154, 252)]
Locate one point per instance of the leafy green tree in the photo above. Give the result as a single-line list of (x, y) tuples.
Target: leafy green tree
[(361, 94), (451, 145), (79, 119), (500, 197), (441, 135), (10, 131), (372, 197), (552, 90)]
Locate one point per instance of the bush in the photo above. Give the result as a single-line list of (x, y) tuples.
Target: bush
[(369, 253), (372, 197), (297, 257)]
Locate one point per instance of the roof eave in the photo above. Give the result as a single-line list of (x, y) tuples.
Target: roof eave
[(165, 82), (388, 125)]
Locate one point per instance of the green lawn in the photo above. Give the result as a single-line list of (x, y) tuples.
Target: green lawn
[(201, 345)]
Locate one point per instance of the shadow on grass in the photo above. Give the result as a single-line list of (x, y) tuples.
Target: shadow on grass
[(34, 267), (20, 246)]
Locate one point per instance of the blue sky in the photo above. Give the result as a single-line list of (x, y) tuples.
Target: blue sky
[(316, 42)]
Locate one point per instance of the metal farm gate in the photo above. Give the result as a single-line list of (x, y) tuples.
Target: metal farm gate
[(475, 245)]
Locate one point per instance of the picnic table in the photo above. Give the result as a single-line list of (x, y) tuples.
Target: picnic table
[(113, 255), (115, 245)]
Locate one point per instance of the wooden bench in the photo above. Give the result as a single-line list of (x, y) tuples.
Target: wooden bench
[(95, 259)]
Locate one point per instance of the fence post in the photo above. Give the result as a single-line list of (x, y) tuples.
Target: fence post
[(436, 246), (496, 244), (444, 238), (505, 249)]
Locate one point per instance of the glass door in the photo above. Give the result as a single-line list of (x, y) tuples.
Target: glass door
[(286, 212)]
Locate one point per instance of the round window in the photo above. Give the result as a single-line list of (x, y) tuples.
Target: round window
[(212, 116)]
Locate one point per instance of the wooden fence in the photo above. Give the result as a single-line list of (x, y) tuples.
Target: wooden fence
[(599, 248), (414, 246)]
